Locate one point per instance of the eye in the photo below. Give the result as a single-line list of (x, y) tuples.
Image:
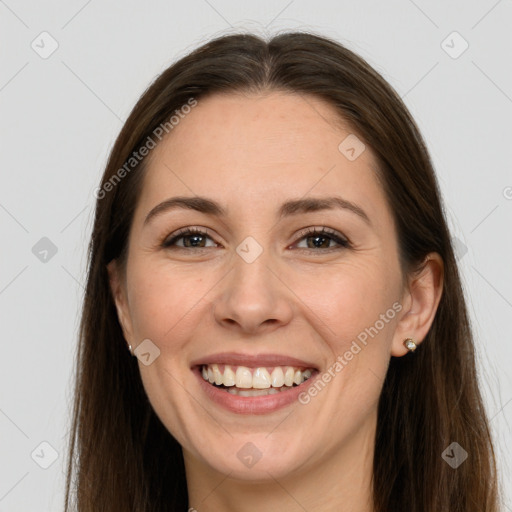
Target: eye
[(192, 237), (321, 238), (316, 238)]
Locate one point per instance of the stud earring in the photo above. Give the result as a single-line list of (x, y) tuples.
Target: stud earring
[(410, 344), (130, 349)]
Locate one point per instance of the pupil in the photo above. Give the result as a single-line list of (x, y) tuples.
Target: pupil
[(193, 244), (316, 238)]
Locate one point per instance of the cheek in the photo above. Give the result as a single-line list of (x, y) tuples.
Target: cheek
[(355, 310), (351, 298), (162, 300)]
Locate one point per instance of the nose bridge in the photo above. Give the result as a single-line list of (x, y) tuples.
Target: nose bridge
[(251, 277), (252, 295), (252, 269), (252, 259)]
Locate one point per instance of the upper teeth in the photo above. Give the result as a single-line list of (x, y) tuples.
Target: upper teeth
[(257, 378)]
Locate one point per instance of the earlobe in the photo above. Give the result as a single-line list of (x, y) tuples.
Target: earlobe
[(119, 295), (422, 297)]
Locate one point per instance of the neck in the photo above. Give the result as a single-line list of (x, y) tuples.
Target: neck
[(341, 481)]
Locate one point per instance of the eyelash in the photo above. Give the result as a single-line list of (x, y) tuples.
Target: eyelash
[(308, 232)]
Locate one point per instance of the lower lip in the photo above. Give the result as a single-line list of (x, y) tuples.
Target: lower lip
[(252, 404)]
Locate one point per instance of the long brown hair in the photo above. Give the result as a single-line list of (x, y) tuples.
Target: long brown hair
[(121, 457)]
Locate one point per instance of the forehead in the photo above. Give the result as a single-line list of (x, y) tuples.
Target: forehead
[(249, 148), (259, 128)]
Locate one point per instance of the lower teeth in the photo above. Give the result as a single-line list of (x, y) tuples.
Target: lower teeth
[(254, 392)]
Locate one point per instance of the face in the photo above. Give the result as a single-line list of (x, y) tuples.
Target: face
[(287, 294)]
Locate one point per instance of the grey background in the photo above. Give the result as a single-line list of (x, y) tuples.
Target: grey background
[(61, 114)]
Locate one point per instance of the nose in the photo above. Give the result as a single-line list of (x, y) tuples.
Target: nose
[(252, 298)]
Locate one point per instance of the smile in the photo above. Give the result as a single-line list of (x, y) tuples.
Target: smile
[(250, 382), (245, 383)]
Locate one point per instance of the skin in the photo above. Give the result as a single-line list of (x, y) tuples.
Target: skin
[(251, 153)]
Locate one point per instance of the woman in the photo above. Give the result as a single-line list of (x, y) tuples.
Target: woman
[(273, 316)]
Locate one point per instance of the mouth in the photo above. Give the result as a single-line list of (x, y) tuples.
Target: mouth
[(253, 384), (250, 382)]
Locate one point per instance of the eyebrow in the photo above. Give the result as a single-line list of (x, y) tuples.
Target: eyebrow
[(293, 207)]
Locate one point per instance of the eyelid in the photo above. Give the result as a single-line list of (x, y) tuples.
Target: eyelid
[(323, 230), (189, 230)]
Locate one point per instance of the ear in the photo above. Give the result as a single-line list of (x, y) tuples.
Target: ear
[(420, 301), (118, 289)]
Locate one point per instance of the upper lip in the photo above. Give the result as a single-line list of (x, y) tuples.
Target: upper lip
[(252, 360)]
